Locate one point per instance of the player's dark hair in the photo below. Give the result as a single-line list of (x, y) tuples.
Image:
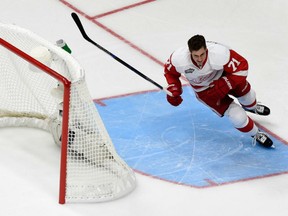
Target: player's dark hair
[(196, 42)]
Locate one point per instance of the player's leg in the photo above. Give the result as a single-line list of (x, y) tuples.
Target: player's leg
[(245, 124), (236, 115), (247, 98)]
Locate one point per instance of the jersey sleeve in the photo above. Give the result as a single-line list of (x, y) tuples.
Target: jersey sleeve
[(171, 74), (236, 70), (237, 64)]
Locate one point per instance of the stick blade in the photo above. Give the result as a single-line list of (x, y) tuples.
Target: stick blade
[(79, 25)]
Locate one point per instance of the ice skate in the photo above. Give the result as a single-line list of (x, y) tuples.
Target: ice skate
[(263, 139), (260, 110)]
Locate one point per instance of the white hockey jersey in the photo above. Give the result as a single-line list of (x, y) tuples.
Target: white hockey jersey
[(219, 59)]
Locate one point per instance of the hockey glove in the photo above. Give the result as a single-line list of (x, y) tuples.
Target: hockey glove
[(221, 87), (176, 91)]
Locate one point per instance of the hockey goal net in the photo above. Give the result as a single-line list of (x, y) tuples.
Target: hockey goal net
[(90, 168)]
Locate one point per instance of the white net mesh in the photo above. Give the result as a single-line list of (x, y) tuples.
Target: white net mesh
[(94, 171)]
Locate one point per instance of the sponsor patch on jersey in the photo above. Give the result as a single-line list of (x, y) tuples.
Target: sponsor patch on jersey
[(189, 71)]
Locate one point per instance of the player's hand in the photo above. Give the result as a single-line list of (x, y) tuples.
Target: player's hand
[(176, 91), (220, 87), (175, 101)]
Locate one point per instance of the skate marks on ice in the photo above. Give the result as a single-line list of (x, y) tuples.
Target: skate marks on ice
[(186, 145)]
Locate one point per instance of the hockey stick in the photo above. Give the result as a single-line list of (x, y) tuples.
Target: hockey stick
[(86, 37)]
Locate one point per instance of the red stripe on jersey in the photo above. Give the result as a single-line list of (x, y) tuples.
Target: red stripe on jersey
[(236, 63)]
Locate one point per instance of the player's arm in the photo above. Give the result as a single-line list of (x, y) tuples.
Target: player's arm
[(236, 69), (174, 83), (235, 73)]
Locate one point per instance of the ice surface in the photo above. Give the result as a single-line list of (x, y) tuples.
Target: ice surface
[(256, 29)]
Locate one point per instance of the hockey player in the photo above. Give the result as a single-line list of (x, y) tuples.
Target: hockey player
[(216, 73)]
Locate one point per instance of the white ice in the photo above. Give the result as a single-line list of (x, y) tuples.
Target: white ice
[(256, 29)]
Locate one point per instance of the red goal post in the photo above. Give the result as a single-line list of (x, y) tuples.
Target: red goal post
[(90, 169)]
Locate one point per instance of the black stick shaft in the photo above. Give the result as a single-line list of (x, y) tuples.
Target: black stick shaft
[(86, 37)]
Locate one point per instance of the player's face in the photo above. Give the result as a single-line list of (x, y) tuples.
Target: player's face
[(199, 56)]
